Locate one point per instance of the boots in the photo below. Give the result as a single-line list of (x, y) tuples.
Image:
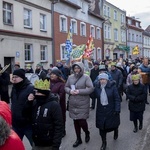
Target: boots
[(77, 142), (87, 137), (103, 147), (141, 125), (135, 126), (116, 134)]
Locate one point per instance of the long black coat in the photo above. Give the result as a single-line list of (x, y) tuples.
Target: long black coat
[(19, 96), (105, 115), (137, 97), (4, 82)]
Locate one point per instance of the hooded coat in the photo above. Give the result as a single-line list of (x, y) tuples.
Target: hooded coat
[(79, 104), (106, 118), (9, 140)]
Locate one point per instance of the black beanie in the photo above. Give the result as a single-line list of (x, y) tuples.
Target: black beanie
[(57, 72), (20, 73)]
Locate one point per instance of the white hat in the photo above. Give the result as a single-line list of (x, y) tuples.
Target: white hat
[(103, 76)]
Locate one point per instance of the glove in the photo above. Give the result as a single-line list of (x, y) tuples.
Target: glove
[(116, 113)]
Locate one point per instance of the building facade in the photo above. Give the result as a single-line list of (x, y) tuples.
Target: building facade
[(134, 37), (146, 42), (85, 19), (114, 32), (25, 32)]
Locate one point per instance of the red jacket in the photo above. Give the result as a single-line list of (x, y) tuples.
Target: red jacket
[(10, 140)]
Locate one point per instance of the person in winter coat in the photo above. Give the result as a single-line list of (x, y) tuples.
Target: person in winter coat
[(108, 108), (57, 86), (79, 86), (19, 95), (40, 71), (47, 120), (9, 140), (4, 82), (137, 96), (93, 74)]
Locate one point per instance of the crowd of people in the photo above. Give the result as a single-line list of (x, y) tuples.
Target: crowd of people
[(38, 103)]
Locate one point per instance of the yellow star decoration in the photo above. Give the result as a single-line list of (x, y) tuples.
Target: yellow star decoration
[(42, 85)]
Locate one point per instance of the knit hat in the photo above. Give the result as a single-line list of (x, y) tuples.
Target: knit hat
[(57, 72), (39, 65), (103, 76), (102, 67), (96, 63), (20, 73), (136, 77), (113, 64)]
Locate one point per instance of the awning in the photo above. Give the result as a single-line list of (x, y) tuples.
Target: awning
[(124, 48)]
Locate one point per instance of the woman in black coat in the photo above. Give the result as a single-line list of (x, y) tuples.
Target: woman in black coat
[(108, 108), (136, 94)]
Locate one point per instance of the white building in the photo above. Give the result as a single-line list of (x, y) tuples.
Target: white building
[(25, 32)]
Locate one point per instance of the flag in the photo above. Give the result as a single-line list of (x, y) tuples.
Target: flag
[(135, 50), (89, 48), (69, 43)]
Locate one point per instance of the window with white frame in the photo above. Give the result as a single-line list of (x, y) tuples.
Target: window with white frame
[(63, 51), (82, 29), (99, 53), (133, 37), (107, 32), (116, 34), (42, 22), (28, 49), (140, 38), (108, 11), (98, 33), (129, 21), (137, 24), (92, 30), (7, 13), (82, 6), (27, 18), (63, 23), (74, 26), (115, 15), (104, 10), (94, 53), (123, 36), (43, 52), (122, 18), (129, 36)]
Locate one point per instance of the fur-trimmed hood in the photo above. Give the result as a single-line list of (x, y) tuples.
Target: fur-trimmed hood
[(5, 122)]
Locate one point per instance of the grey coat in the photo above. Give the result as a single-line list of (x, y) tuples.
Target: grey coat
[(79, 104)]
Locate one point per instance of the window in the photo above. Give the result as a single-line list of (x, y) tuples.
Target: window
[(104, 10), (115, 15), (108, 11), (28, 52), (107, 32), (43, 53), (129, 21), (42, 22), (7, 13), (92, 29), (140, 38), (99, 53), (115, 34), (74, 26), (82, 29), (123, 36), (129, 36), (63, 23), (137, 38), (82, 7), (63, 51), (98, 33), (137, 24), (133, 37), (122, 18), (27, 18)]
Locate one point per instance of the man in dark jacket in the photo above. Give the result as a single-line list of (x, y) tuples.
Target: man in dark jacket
[(19, 95), (94, 73), (47, 120), (40, 72), (4, 82)]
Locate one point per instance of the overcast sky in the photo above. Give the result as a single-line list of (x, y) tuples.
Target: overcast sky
[(138, 8)]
